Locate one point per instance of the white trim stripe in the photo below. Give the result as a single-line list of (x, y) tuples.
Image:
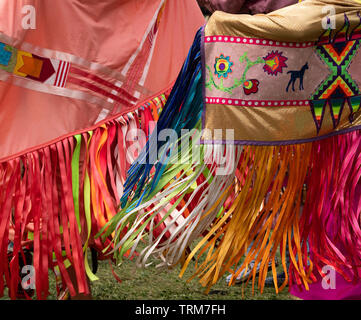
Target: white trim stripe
[(62, 74), (259, 42), (145, 36), (256, 103)]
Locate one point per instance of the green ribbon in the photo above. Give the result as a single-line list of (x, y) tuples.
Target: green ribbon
[(75, 178)]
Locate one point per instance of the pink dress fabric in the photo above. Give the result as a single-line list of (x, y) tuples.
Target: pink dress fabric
[(342, 289), (101, 33)]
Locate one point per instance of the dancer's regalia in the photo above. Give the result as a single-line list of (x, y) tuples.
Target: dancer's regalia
[(272, 106), (78, 78)]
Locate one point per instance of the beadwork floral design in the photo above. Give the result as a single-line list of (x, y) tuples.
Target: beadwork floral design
[(274, 63), (223, 66), (250, 86)]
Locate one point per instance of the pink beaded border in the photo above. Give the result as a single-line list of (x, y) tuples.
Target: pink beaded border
[(259, 42), (257, 103)]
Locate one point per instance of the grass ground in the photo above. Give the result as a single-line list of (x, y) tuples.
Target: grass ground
[(159, 284), (153, 283)]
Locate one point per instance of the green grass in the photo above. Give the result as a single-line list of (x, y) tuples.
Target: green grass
[(160, 284), (153, 283)]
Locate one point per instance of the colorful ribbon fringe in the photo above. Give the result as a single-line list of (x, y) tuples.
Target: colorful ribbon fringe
[(55, 199)]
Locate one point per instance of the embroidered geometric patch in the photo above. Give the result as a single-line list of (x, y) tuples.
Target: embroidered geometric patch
[(5, 55), (8, 57), (52, 72), (336, 108), (31, 66), (338, 57), (28, 65), (318, 108), (354, 103), (337, 53)]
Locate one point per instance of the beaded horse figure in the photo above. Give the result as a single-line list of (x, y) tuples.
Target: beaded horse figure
[(298, 74)]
